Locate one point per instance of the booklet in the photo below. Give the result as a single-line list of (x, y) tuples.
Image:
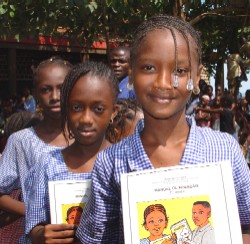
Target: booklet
[(178, 203), (67, 200)]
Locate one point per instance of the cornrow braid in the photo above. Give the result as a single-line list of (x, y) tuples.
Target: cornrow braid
[(97, 69), (163, 22), (54, 60)]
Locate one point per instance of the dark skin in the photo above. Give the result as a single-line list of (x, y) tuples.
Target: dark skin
[(89, 112), (163, 105), (119, 62), (47, 92)]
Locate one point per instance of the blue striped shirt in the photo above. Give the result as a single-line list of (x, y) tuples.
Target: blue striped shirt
[(101, 221)]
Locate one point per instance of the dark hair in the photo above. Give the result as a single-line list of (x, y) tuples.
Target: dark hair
[(163, 22), (21, 120), (152, 208), (54, 60), (205, 204), (119, 121), (97, 69), (227, 100)]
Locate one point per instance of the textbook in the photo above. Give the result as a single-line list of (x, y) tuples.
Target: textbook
[(67, 200), (180, 203)]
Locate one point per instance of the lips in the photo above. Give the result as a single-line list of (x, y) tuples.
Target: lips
[(55, 108), (161, 98)]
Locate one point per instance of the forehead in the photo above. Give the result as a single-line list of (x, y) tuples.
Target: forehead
[(119, 53), (89, 87), (163, 41), (200, 207)]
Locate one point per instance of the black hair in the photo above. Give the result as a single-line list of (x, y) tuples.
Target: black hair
[(163, 22), (21, 120), (227, 100), (205, 204), (119, 121), (54, 60), (97, 69)]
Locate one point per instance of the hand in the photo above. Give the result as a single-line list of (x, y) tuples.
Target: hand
[(55, 233)]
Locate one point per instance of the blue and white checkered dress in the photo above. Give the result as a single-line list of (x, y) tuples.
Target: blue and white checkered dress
[(22, 151), (101, 221), (50, 168)]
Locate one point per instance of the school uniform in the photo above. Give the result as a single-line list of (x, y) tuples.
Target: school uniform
[(101, 221), (21, 153), (51, 167)]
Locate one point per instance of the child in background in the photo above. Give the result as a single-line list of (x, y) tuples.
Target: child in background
[(25, 146), (166, 137), (203, 118), (88, 104)]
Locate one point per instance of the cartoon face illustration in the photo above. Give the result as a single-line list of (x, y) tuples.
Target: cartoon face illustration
[(200, 215), (155, 223), (74, 215)]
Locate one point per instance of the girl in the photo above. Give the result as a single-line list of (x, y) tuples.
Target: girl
[(87, 103), (25, 146), (155, 221), (165, 69)]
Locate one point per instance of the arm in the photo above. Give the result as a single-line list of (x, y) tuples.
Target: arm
[(209, 110), (51, 233), (11, 205), (246, 238)]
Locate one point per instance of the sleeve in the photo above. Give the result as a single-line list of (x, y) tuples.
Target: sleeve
[(37, 209), (241, 175), (9, 179), (101, 216)]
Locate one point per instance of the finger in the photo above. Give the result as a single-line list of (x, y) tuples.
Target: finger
[(55, 241)]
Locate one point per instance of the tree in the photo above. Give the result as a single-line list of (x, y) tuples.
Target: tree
[(221, 22)]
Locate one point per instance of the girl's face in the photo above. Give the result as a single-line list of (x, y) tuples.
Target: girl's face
[(90, 107), (153, 73), (48, 88), (156, 223)]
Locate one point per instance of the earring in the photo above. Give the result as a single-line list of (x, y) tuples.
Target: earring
[(111, 121), (175, 81), (196, 90), (190, 85)]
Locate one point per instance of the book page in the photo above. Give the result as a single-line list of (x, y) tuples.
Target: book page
[(174, 198), (67, 200)]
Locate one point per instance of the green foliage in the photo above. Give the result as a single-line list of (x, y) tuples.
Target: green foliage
[(85, 21)]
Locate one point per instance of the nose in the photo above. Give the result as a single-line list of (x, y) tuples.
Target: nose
[(164, 80), (55, 94), (86, 117)]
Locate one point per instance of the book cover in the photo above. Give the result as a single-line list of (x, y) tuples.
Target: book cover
[(179, 203), (67, 200)]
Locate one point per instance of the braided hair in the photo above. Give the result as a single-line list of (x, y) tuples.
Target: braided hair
[(97, 69), (166, 22), (152, 208)]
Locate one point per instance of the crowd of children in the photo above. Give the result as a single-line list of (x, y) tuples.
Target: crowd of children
[(86, 133)]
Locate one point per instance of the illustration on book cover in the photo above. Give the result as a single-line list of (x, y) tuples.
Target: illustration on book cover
[(176, 221)]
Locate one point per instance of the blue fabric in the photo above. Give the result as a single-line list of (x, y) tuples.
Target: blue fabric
[(30, 104), (51, 167), (22, 151), (124, 91), (101, 221)]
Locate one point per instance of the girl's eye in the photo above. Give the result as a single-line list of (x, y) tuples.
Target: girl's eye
[(76, 108), (151, 222), (148, 67), (99, 109), (160, 220), (45, 89), (181, 71)]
